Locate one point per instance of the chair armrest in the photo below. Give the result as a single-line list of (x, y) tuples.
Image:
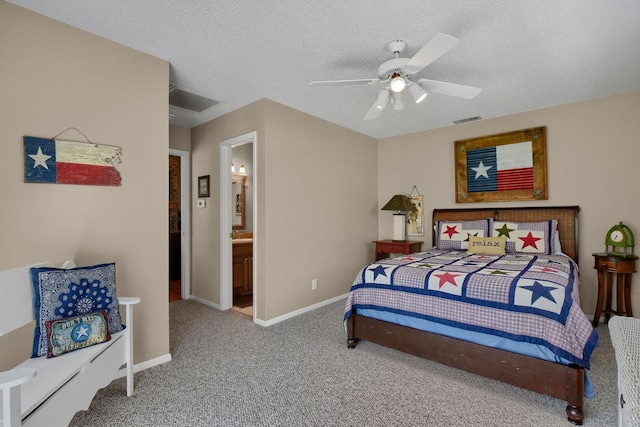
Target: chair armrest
[(14, 377), (128, 300)]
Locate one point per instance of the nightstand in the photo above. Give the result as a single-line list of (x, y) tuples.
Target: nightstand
[(386, 247), (620, 267)]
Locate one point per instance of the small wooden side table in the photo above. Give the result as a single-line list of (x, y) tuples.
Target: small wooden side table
[(620, 267), (386, 247)]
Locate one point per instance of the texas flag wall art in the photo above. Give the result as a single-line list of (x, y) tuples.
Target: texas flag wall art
[(500, 168), (67, 162), (504, 167)]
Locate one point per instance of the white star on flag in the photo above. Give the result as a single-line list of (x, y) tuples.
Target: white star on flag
[(481, 170), (40, 159)]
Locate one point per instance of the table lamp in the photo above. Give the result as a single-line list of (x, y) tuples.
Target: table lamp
[(401, 204)]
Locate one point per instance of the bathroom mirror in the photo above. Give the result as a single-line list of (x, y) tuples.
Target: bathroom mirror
[(238, 201)]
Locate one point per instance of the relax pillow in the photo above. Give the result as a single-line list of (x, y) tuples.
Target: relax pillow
[(487, 245), (528, 237), (454, 235), (63, 293), (76, 332)]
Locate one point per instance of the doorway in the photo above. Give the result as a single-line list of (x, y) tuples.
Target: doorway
[(179, 226), (241, 150)]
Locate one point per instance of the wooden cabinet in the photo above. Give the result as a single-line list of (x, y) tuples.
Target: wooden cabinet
[(242, 268)]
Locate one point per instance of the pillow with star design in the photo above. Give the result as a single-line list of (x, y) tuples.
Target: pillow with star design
[(74, 333), (60, 293), (527, 237), (454, 235)]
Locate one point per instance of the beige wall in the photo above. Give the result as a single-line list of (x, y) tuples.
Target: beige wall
[(54, 77), (316, 198), (179, 138), (592, 155)]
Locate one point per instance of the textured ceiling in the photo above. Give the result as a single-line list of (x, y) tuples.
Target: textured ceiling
[(524, 55)]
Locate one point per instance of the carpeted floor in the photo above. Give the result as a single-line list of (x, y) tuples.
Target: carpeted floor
[(227, 371)]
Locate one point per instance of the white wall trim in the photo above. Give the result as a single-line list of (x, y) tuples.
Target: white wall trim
[(226, 279), (206, 302), (185, 221), (300, 311), (145, 365)]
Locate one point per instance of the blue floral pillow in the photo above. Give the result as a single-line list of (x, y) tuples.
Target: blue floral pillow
[(64, 293)]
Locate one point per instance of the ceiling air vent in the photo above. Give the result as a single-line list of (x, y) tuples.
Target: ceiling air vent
[(181, 98), (468, 119)]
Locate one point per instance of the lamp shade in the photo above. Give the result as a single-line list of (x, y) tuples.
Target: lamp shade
[(399, 203)]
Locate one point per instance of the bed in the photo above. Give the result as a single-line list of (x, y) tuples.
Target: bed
[(413, 304)]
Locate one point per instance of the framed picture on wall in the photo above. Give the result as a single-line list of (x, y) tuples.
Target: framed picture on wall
[(506, 167), (203, 186)]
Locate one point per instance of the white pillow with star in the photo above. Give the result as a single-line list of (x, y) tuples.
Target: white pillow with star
[(527, 237)]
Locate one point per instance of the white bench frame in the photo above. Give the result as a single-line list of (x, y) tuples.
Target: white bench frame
[(42, 391)]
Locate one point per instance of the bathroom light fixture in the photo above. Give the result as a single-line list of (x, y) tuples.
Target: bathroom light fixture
[(233, 168), (417, 92), (401, 204), (397, 83), (242, 170)]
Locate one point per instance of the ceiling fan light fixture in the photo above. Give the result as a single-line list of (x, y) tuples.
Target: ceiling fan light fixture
[(397, 83), (396, 103), (418, 93), (383, 98)]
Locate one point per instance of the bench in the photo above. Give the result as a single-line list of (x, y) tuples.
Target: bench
[(625, 337), (49, 391)]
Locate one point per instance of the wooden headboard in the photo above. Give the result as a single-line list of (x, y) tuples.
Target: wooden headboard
[(567, 217)]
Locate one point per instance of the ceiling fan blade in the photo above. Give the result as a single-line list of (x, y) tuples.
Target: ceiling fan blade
[(345, 82), (452, 89), (437, 46), (378, 106)]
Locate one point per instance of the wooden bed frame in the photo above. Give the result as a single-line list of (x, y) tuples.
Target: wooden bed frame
[(549, 378)]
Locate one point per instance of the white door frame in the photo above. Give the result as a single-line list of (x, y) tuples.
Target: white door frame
[(226, 267), (185, 222)]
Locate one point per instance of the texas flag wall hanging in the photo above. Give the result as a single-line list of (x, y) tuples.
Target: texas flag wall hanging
[(56, 161), (500, 168)]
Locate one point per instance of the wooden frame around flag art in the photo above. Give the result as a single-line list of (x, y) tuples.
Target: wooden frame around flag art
[(506, 167)]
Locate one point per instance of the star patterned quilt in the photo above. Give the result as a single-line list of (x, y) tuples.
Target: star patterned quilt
[(526, 298)]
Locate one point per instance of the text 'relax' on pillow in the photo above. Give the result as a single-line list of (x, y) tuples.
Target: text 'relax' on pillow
[(76, 332), (64, 293), (454, 235), (487, 245), (528, 237)]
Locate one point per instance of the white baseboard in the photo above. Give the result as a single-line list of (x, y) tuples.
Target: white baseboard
[(145, 365), (279, 318), (299, 312), (205, 302)]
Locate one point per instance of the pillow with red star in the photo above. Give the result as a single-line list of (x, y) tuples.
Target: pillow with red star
[(454, 235), (527, 237)]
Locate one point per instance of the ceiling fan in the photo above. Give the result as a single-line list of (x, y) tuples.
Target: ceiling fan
[(398, 73)]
